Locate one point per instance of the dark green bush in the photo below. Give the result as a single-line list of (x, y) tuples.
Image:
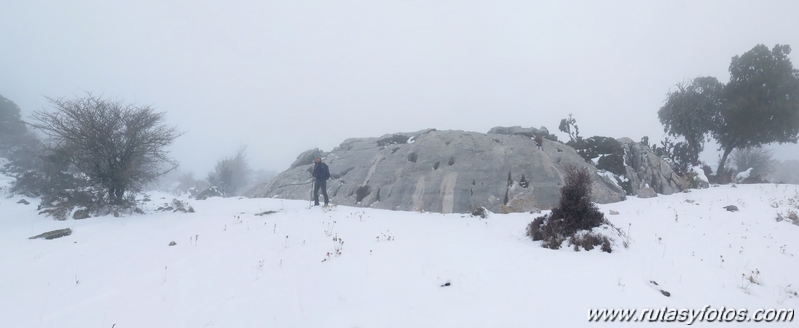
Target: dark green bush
[(608, 150), (575, 212)]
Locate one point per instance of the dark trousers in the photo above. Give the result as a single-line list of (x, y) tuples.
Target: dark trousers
[(320, 184)]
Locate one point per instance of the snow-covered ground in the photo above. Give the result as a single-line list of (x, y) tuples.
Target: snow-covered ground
[(233, 268)]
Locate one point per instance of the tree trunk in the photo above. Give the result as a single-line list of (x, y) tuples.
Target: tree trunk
[(116, 195), (720, 171), (120, 195)]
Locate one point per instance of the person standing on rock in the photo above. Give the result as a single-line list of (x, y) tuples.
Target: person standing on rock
[(539, 141), (320, 174)]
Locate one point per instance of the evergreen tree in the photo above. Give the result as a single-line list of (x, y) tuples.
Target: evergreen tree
[(759, 105), (11, 125)]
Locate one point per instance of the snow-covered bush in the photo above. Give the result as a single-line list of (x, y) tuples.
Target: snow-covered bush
[(574, 217), (604, 152), (479, 211)]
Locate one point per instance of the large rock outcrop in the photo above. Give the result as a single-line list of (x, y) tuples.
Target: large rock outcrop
[(442, 171), (647, 170)]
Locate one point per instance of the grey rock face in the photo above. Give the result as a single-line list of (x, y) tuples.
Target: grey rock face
[(647, 170), (700, 184), (306, 158), (513, 130), (442, 171), (646, 193), (210, 192)]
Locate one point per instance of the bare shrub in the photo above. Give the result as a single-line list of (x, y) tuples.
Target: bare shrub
[(118, 147), (231, 174), (759, 159)]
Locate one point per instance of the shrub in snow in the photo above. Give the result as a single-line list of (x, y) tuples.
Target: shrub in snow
[(587, 240), (791, 216), (83, 202), (574, 218), (479, 211), (759, 162), (697, 176), (231, 174), (176, 206)]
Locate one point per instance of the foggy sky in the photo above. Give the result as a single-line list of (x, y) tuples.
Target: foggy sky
[(286, 76)]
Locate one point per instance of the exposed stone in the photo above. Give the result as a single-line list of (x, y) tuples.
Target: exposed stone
[(172, 243), (543, 130), (612, 212), (731, 208), (645, 169), (81, 214), (646, 193), (520, 199), (513, 130), (23, 202), (265, 213), (210, 192), (698, 183), (54, 234), (443, 171), (307, 157)]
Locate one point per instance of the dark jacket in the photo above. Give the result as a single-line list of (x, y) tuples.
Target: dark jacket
[(320, 171)]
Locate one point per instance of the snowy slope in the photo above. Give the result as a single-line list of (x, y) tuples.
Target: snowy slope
[(232, 268)]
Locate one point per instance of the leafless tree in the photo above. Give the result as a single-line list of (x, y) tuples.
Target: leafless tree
[(757, 158), (118, 146), (231, 174)]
